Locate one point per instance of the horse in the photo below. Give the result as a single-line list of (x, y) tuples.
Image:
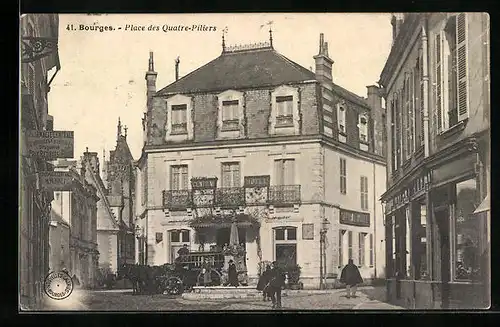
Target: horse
[(132, 273)]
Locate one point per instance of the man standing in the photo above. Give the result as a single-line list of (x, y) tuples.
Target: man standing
[(183, 251), (276, 283), (351, 277)]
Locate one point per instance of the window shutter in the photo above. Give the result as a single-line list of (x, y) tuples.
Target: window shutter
[(236, 175), (462, 71), (278, 171), (438, 81), (421, 80), (184, 178), (289, 172)]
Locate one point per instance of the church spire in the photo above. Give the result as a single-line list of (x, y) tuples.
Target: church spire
[(119, 129)]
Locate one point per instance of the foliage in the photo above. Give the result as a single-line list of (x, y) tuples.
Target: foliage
[(292, 270)]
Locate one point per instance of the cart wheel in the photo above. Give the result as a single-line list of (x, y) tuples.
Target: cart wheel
[(174, 286)]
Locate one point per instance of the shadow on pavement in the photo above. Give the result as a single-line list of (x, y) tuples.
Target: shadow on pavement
[(375, 293)]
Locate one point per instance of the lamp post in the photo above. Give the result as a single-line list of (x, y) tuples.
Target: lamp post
[(322, 239)]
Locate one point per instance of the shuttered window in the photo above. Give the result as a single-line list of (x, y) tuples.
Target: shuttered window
[(343, 176), (361, 249), (341, 114), (421, 96), (364, 192), (438, 82), (179, 177), (284, 170), (393, 136), (230, 110), (463, 100), (371, 250)]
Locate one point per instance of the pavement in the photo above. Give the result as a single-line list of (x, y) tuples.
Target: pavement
[(368, 298)]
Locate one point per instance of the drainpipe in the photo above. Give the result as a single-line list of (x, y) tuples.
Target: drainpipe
[(425, 79)]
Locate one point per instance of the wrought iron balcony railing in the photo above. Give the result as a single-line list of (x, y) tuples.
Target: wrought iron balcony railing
[(233, 197), (177, 199), (284, 194), (228, 197)]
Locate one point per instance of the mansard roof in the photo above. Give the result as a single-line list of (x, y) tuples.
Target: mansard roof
[(239, 69)]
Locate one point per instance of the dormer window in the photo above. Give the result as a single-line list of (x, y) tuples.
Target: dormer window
[(179, 119), (341, 113), (230, 115), (284, 110), (363, 128), (179, 125), (284, 118)]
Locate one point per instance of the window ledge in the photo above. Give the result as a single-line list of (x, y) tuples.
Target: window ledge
[(342, 133), (283, 125), (453, 130), (179, 133)]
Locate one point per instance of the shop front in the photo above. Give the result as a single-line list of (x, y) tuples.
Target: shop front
[(436, 243)]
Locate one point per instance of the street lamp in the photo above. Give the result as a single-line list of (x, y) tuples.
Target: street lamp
[(322, 261)]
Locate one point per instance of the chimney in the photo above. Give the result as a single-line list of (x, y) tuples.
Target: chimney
[(92, 159), (49, 124), (377, 120), (177, 61), (323, 62), (150, 79), (396, 22)]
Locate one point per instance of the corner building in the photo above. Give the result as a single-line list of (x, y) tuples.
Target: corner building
[(436, 86), (298, 161)]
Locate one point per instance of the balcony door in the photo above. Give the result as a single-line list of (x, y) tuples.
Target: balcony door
[(231, 176), (284, 172), (179, 177)]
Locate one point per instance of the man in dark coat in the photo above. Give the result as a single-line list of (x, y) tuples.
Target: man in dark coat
[(276, 283), (263, 283), (351, 277), (232, 274), (183, 251)]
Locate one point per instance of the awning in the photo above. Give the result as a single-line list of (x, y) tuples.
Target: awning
[(484, 206)]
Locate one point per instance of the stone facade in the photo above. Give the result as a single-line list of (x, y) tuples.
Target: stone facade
[(436, 86), (304, 200), (73, 235)]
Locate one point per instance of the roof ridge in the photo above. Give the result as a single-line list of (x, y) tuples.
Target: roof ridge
[(191, 73)]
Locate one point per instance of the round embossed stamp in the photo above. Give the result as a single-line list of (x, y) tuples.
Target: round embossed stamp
[(58, 285)]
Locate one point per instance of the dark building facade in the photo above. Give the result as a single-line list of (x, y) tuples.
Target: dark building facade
[(39, 64), (436, 87)]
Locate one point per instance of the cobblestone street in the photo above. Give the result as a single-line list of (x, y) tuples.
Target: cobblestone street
[(367, 298)]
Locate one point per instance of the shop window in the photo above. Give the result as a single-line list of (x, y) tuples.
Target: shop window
[(285, 241), (467, 235), (419, 250)]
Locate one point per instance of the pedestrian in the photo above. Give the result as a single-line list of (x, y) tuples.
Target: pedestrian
[(276, 283), (183, 251), (206, 270), (263, 283), (351, 277), (232, 274)]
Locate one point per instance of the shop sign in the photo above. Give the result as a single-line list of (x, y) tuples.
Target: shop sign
[(55, 180), (202, 183), (257, 181), (50, 145)]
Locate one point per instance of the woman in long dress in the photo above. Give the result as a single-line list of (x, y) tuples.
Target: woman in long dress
[(351, 277), (206, 269), (263, 283), (232, 274)]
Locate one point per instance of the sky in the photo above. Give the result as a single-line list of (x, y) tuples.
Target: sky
[(102, 74)]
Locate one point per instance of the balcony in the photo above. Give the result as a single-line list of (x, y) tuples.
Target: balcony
[(229, 197), (354, 218), (284, 195), (177, 199)]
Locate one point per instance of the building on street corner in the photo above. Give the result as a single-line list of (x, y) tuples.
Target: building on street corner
[(253, 139), (73, 232), (39, 65), (437, 91)]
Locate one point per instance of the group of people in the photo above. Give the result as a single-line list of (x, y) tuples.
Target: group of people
[(271, 283)]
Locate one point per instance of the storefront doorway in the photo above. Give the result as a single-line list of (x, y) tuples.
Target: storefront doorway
[(443, 225)]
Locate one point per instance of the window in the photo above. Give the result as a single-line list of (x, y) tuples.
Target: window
[(450, 63), (179, 177), (177, 240), (364, 192), (394, 158), (361, 249), (371, 250), (343, 176), (285, 171), (285, 239), (231, 175), (363, 128), (341, 248), (410, 116), (230, 115), (467, 232), (419, 247), (284, 110), (179, 119), (349, 244), (421, 95), (144, 192), (341, 113)]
